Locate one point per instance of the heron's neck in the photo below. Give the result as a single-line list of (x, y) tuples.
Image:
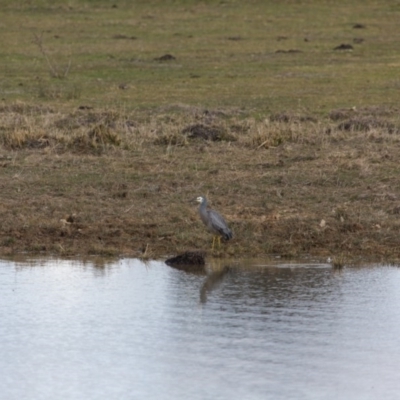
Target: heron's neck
[(203, 205)]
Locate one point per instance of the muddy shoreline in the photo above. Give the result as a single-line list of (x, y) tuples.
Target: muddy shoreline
[(109, 184)]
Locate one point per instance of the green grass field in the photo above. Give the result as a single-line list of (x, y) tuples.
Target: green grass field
[(258, 56)]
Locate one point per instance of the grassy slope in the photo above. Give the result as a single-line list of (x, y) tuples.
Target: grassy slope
[(210, 70)]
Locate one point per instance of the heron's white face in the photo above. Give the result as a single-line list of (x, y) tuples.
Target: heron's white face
[(199, 199)]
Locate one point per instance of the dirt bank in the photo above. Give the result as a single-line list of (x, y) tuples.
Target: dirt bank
[(109, 183)]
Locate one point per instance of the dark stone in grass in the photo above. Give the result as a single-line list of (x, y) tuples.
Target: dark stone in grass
[(344, 46), (165, 57), (119, 36), (235, 38), (359, 26), (207, 132), (290, 51)]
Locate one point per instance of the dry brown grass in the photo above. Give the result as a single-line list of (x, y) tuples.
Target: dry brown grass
[(115, 183)]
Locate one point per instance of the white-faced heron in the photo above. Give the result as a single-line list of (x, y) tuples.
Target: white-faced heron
[(214, 222)]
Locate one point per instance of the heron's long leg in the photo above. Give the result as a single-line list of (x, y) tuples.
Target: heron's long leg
[(216, 239)]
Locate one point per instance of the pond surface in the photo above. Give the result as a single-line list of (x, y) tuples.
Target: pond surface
[(130, 330)]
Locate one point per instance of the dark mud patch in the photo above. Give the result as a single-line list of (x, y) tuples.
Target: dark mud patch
[(290, 51), (187, 258), (120, 36), (235, 38), (365, 124), (165, 57), (290, 117), (189, 261), (344, 46), (208, 132)]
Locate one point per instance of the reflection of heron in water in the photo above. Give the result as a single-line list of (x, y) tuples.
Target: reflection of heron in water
[(212, 282)]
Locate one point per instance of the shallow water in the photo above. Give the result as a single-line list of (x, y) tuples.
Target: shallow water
[(130, 330)]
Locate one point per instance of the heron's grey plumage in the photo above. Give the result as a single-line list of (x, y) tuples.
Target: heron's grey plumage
[(213, 220)]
